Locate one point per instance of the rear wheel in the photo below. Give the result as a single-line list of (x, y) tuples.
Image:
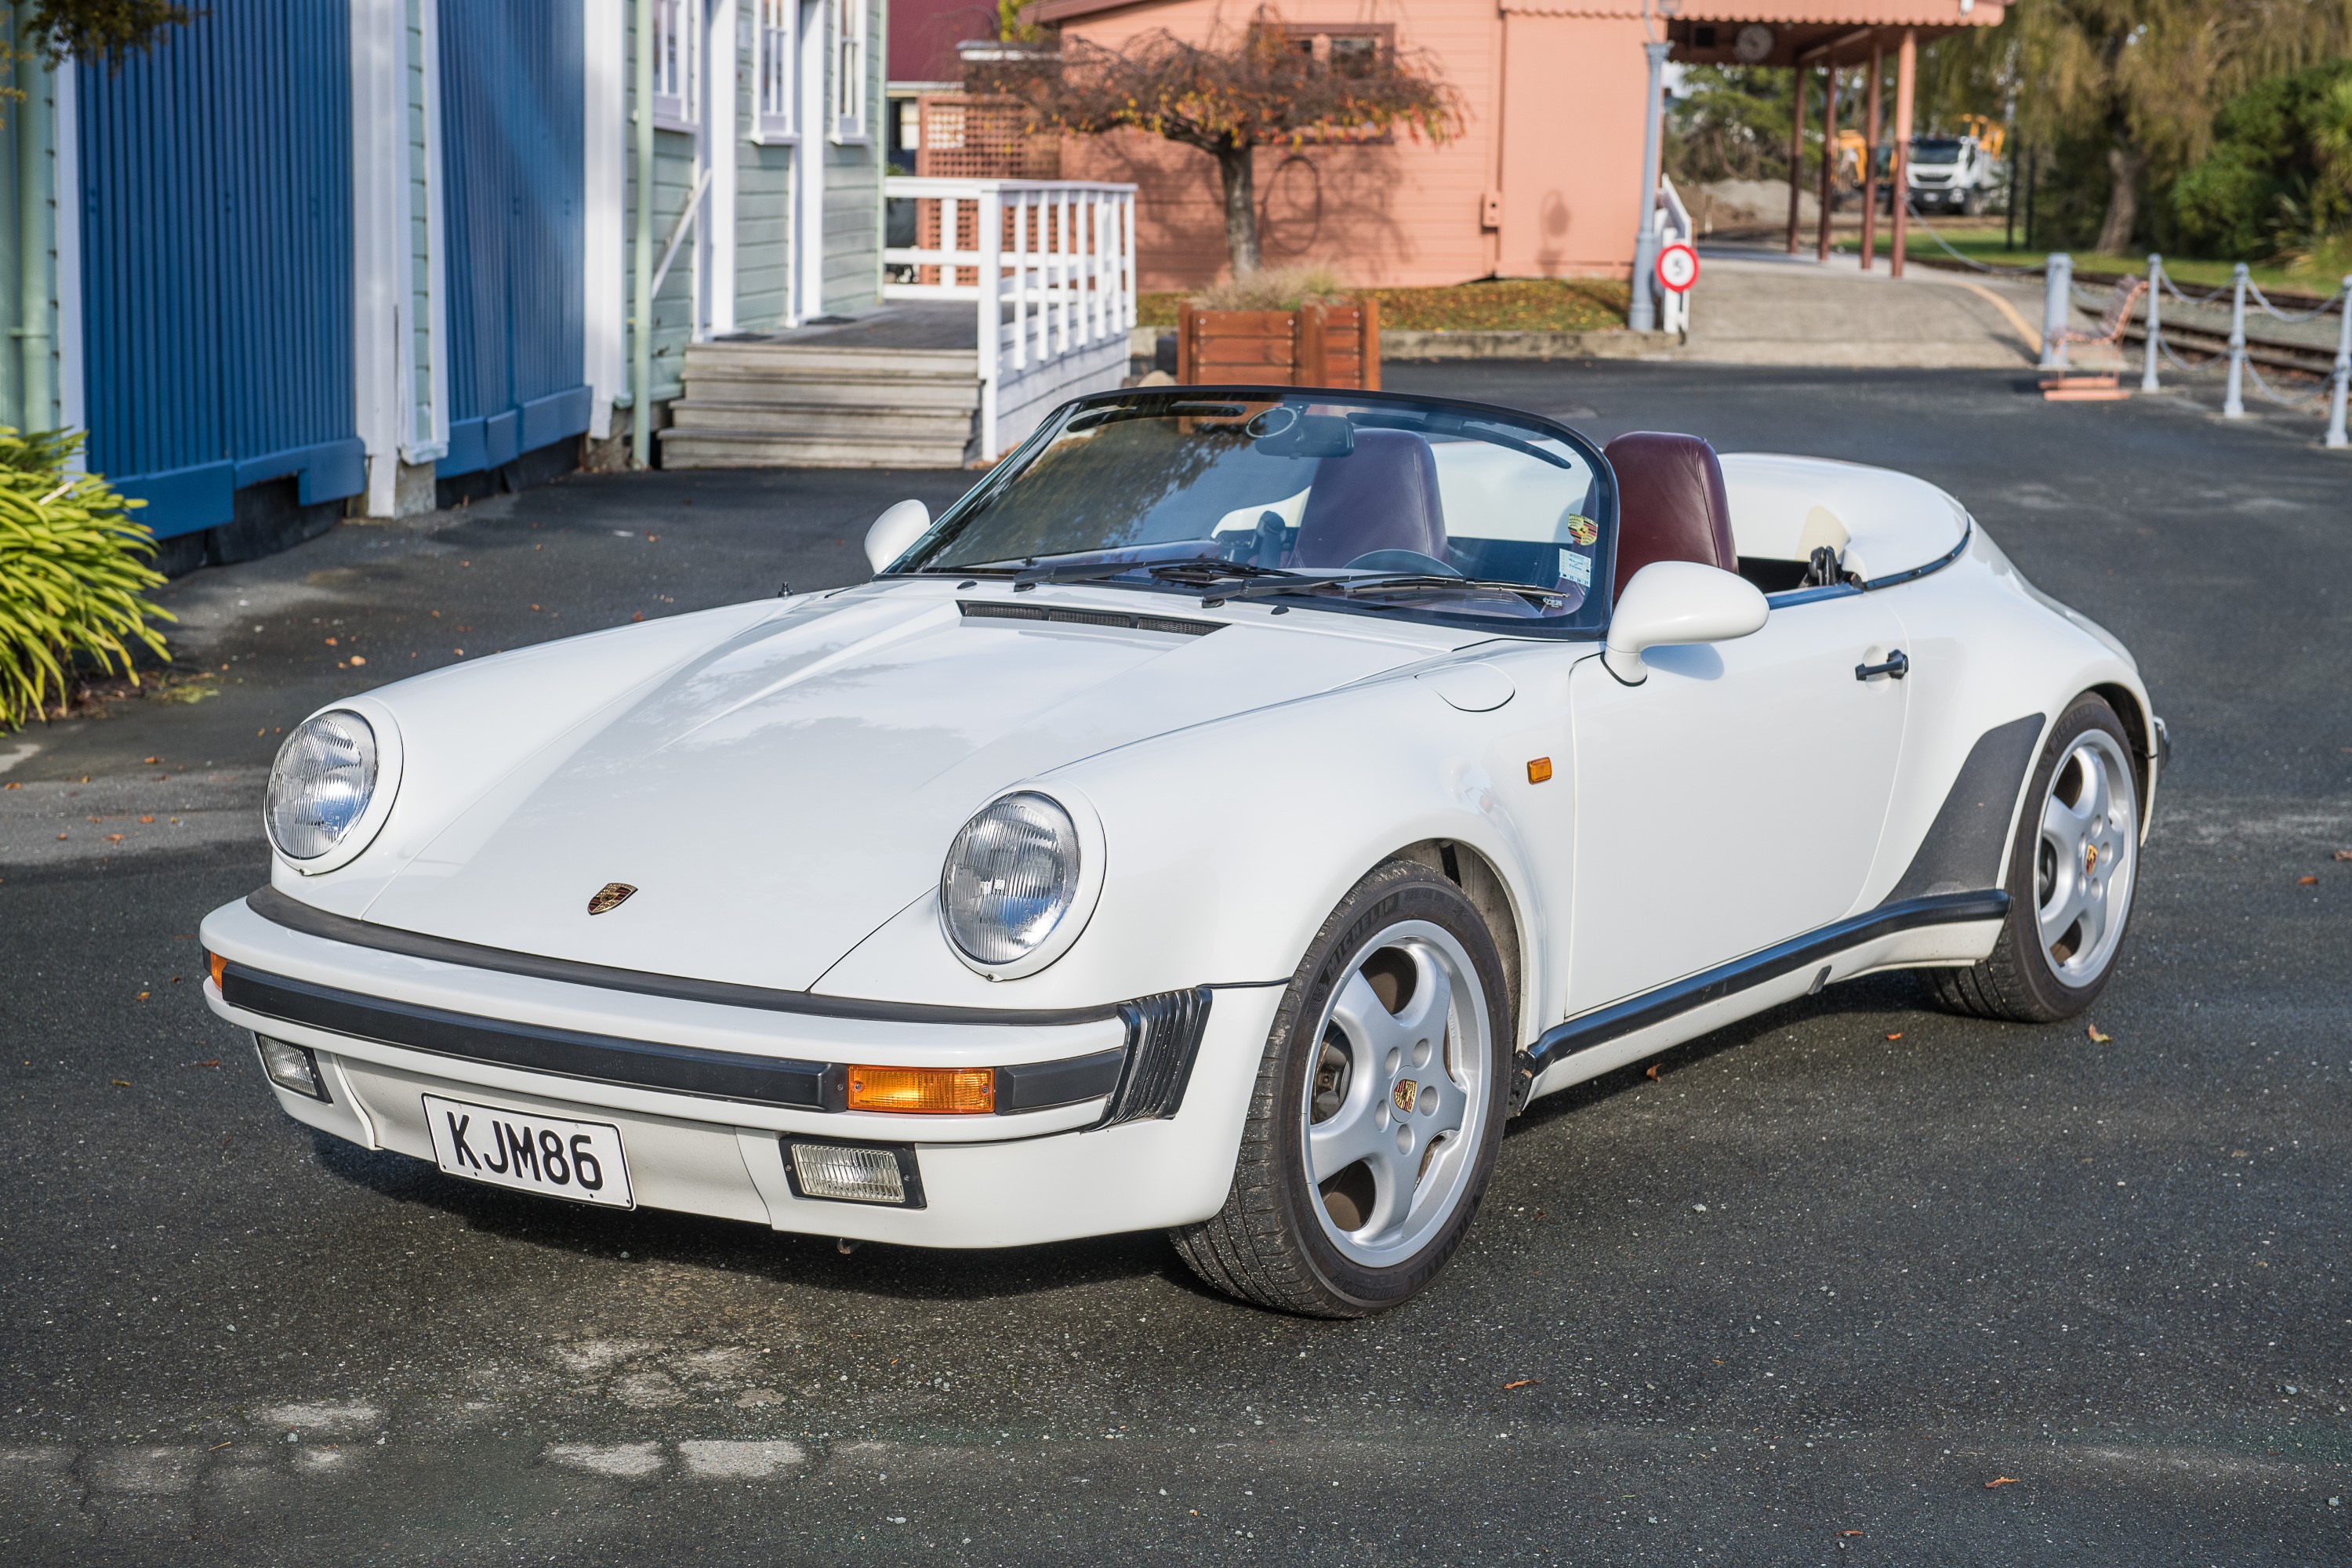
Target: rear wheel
[(2072, 874), (1379, 1106)]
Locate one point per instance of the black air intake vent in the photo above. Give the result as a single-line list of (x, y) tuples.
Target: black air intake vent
[(1164, 1035)]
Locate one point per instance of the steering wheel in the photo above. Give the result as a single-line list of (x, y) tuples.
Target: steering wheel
[(1402, 561)]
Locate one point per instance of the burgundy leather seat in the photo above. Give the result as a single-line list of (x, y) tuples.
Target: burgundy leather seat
[(1382, 496), (1670, 504)]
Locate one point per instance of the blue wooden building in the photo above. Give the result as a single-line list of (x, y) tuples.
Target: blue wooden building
[(311, 257)]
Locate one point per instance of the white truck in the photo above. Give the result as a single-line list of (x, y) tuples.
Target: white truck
[(1952, 174)]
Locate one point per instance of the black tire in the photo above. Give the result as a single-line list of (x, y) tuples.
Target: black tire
[(2019, 982), (1267, 1244)]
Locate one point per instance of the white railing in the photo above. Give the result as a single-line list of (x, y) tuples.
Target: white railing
[(1050, 268), (1673, 222)]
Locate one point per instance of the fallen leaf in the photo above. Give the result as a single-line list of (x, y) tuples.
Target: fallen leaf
[(121, 1082), (143, 995), (1522, 1383), (217, 1447), (638, 616), (654, 538), (212, 1062), (331, 642), (146, 819), (1653, 1072), (1895, 1036), (153, 761), (115, 839), (356, 660), (12, 784), (2306, 881), (534, 606), (2097, 1038), (2340, 854), (2001, 1482)]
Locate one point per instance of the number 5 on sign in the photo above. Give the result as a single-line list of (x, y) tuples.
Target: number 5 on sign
[(1677, 268)]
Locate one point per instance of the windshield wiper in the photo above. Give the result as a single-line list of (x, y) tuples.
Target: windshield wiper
[(1403, 582)]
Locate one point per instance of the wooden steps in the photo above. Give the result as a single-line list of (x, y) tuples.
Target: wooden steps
[(2087, 388), (789, 406)]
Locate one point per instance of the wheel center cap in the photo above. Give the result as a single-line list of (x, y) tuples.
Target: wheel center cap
[(1402, 1095), (2090, 858)]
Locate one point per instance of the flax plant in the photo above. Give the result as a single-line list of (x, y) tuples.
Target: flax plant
[(72, 571)]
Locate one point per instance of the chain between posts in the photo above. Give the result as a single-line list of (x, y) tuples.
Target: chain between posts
[(2241, 367)]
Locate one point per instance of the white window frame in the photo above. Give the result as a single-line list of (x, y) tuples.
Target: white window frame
[(850, 69), (775, 42), (677, 63)]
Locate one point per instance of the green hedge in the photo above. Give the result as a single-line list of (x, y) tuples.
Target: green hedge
[(72, 569)]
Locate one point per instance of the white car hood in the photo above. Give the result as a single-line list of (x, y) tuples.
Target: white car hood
[(778, 799)]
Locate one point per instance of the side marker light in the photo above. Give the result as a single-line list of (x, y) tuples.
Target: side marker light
[(924, 1091), (1540, 771)]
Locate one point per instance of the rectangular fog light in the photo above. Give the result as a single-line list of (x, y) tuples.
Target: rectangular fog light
[(854, 1172), (291, 1067)]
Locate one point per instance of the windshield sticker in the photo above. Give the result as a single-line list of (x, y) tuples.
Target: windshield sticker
[(1576, 569)]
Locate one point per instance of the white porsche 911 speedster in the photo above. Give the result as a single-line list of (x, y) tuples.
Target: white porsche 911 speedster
[(1223, 819)]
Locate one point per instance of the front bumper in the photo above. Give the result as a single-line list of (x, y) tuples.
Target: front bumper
[(704, 1094)]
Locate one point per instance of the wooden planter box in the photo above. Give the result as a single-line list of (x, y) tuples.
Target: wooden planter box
[(1318, 346)]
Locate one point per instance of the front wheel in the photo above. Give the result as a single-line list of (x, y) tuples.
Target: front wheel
[(1379, 1106), (2072, 874)]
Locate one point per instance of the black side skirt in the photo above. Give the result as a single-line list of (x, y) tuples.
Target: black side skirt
[(1621, 1019)]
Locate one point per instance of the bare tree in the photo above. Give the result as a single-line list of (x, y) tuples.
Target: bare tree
[(1270, 86)]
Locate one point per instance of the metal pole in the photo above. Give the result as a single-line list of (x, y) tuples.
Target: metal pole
[(641, 321), (1906, 81), (1643, 316), (1796, 153), (2233, 402), (34, 402), (2343, 366), (2058, 283), (1829, 157), (1870, 160), (2154, 323)]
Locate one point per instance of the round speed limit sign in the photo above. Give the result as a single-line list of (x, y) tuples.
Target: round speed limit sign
[(1677, 268)]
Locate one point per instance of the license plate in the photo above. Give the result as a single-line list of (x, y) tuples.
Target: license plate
[(577, 1160)]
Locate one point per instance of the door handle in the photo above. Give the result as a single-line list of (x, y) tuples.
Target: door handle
[(1897, 665)]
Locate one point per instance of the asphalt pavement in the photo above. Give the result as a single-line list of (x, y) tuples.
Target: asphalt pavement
[(1855, 1281)]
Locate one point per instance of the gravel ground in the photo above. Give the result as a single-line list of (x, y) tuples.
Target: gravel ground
[(1853, 1281)]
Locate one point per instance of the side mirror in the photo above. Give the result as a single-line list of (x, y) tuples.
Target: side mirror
[(894, 532), (1678, 602)]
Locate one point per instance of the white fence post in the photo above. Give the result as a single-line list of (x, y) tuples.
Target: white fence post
[(2148, 382), (2336, 437), (2059, 281), (2233, 402), (992, 315)]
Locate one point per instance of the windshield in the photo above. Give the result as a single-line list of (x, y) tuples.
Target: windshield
[(1935, 150), (1441, 508)]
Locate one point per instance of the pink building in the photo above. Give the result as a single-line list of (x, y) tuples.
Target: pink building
[(1545, 177)]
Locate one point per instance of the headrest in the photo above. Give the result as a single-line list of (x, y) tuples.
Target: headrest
[(1670, 504)]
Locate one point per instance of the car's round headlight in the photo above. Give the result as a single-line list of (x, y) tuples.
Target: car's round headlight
[(1012, 874), (320, 784)]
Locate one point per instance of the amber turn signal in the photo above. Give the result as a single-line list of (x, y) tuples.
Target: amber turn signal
[(1540, 771), (924, 1091), (218, 966)]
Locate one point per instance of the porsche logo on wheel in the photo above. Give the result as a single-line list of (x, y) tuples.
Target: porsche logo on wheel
[(1402, 1095), (609, 896)]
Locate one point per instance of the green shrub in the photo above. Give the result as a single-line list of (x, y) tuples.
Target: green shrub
[(2278, 178), (71, 573)]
